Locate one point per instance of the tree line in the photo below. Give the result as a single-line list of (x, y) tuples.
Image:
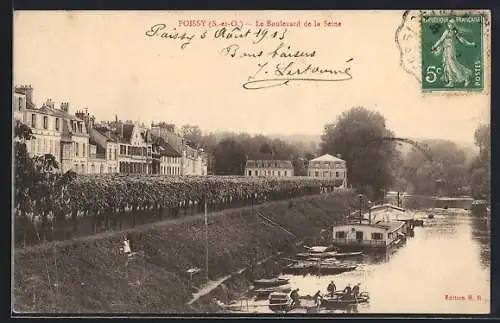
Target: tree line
[(375, 162)]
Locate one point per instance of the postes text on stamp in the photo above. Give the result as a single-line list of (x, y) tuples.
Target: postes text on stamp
[(452, 52)]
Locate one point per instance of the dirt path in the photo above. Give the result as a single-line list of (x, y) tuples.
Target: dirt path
[(213, 284), (160, 224)]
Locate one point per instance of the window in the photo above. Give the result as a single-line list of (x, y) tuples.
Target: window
[(76, 149), (73, 126), (286, 173), (316, 174), (116, 153), (273, 172), (19, 103), (92, 167), (377, 236), (256, 173), (340, 235), (337, 174), (33, 120), (80, 127), (57, 124), (279, 173), (123, 150), (249, 173), (45, 122)]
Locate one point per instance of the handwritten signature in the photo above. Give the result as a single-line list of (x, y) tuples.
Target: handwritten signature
[(284, 74)]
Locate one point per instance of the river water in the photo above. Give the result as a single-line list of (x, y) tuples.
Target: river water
[(447, 260)]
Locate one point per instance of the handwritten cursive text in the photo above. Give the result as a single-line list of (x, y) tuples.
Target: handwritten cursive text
[(282, 74)]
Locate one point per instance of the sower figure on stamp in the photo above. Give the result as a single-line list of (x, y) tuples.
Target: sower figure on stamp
[(454, 71)]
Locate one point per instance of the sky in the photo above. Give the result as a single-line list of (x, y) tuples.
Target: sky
[(104, 61)]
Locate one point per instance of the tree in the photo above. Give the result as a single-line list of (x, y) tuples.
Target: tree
[(447, 165), (229, 157), (192, 134), (482, 137), (357, 135), (38, 186), (480, 168)]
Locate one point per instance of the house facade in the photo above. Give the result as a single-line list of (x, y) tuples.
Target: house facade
[(328, 166), (166, 160), (192, 161), (103, 149), (56, 131), (269, 168)]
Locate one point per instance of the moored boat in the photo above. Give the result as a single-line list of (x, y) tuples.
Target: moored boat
[(280, 302), (339, 299), (325, 267), (270, 282), (264, 292), (329, 254)]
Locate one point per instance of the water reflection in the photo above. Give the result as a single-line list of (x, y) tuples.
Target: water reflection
[(445, 268)]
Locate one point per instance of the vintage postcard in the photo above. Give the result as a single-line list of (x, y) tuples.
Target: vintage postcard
[(242, 162)]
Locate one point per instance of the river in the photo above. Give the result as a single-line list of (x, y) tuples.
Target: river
[(448, 259)]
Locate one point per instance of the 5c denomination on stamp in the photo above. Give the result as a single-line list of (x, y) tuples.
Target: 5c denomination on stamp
[(452, 52)]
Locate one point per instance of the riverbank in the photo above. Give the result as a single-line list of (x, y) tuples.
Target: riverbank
[(90, 274)]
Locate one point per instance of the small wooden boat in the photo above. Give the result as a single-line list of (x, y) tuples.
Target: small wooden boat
[(328, 254), (339, 299), (280, 302), (270, 282), (264, 292), (323, 268)]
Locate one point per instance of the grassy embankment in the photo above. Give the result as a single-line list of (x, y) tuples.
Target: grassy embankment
[(89, 274)]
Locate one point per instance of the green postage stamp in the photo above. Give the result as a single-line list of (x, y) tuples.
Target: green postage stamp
[(452, 52)]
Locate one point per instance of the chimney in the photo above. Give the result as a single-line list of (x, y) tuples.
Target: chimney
[(116, 118), (49, 103), (27, 90), (65, 106)]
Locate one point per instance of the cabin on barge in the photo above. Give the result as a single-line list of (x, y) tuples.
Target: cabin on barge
[(383, 227), (380, 235)]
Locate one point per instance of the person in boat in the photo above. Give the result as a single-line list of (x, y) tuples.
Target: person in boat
[(347, 291), (355, 290), (294, 295), (317, 298), (331, 288)]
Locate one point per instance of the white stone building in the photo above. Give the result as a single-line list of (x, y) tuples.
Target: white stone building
[(192, 161), (328, 166), (269, 168), (56, 131)]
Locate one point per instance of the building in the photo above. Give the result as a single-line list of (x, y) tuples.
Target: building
[(166, 160), (380, 235), (269, 168), (328, 166), (56, 131), (103, 149), (193, 161)]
